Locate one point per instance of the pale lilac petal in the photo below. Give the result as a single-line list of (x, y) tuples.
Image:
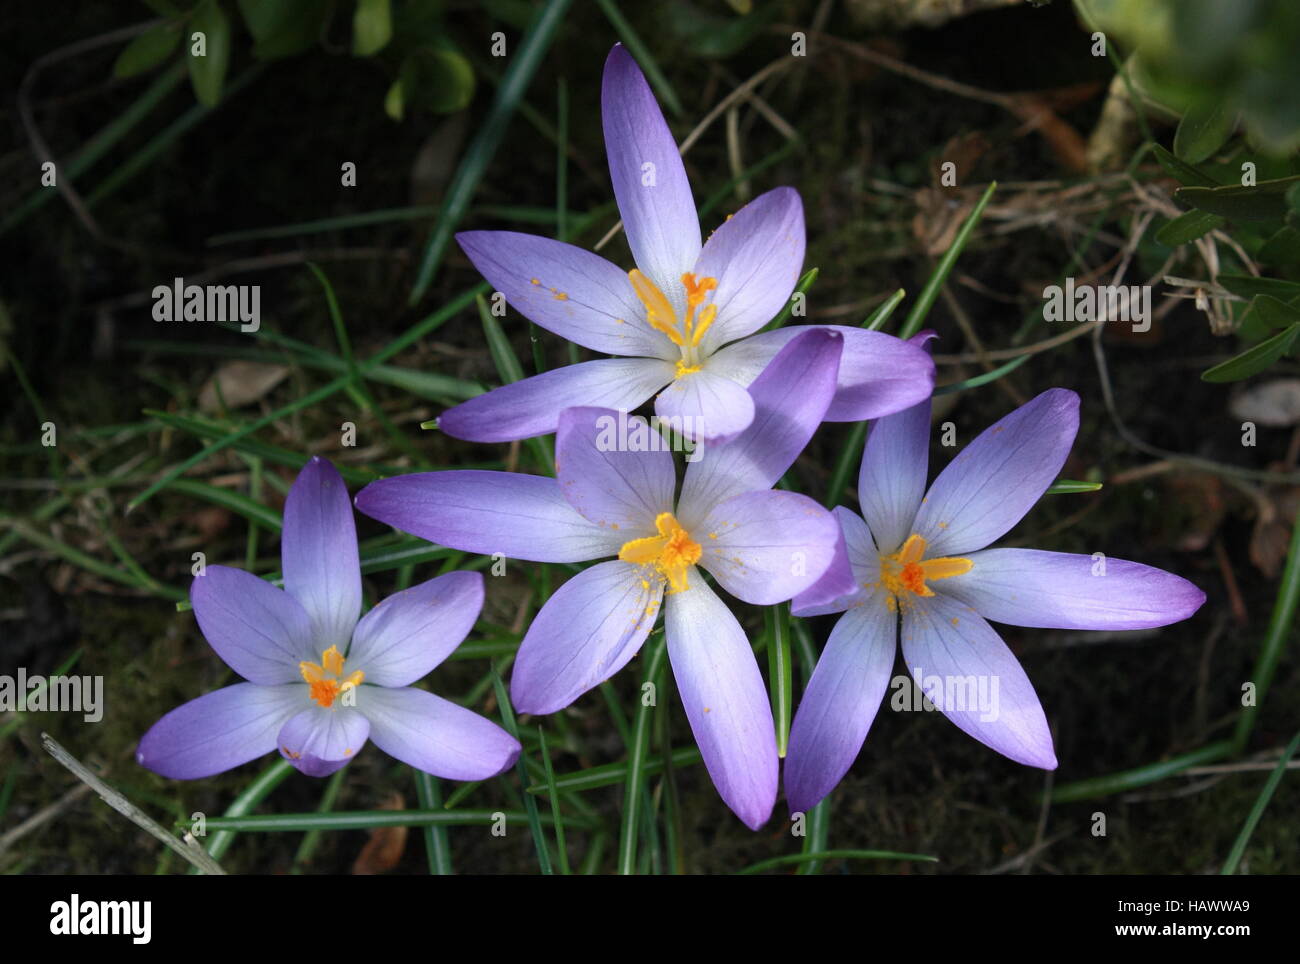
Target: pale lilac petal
[(585, 633), (756, 256), (789, 401), (320, 740), (435, 735), (725, 700), (219, 730), (614, 469), (318, 551), (878, 374), (261, 632), (532, 407), (999, 476), (891, 482), (765, 547), (649, 178), (411, 632), (840, 702), (1061, 590), (702, 405), (519, 516), (824, 597), (969, 674), (567, 290)]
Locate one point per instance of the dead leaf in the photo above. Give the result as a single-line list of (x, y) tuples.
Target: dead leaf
[(241, 383), (383, 851)]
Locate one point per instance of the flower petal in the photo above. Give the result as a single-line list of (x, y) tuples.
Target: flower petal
[(756, 255), (319, 740), (614, 469), (878, 374), (219, 730), (825, 597), (790, 399), (968, 672), (654, 196), (532, 407), (725, 699), (841, 701), (584, 634), (520, 516), (702, 405), (435, 735), (891, 482), (260, 631), (999, 476), (318, 551), (567, 290), (411, 632), (765, 547), (1062, 590)]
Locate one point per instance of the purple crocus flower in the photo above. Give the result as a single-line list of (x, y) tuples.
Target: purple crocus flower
[(320, 681), (679, 320), (762, 546), (925, 578)]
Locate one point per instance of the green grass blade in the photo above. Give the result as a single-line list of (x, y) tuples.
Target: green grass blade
[(636, 761), (819, 855), (780, 672), (428, 789), (523, 64), (876, 320), (1257, 811), (916, 317)]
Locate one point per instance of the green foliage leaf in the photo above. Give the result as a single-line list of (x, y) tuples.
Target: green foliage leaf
[(1261, 356), (1181, 171), (1260, 202), (1188, 227), (1248, 286), (283, 28), (437, 79), (372, 27), (1204, 129), (147, 50), (1281, 248), (707, 34), (208, 73)]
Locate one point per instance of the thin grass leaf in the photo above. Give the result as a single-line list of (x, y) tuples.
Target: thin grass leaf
[(984, 379), (780, 672), (530, 803), (876, 320), (523, 64), (1124, 780), (636, 761), (372, 819), (560, 848), (921, 310), (1071, 487), (428, 789), (637, 48), (1257, 811), (819, 855)]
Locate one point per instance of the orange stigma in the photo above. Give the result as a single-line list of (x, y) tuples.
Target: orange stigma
[(672, 552), (323, 679), (906, 572)]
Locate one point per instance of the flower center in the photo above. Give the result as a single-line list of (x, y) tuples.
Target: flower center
[(687, 332), (323, 677), (906, 572), (671, 552)]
